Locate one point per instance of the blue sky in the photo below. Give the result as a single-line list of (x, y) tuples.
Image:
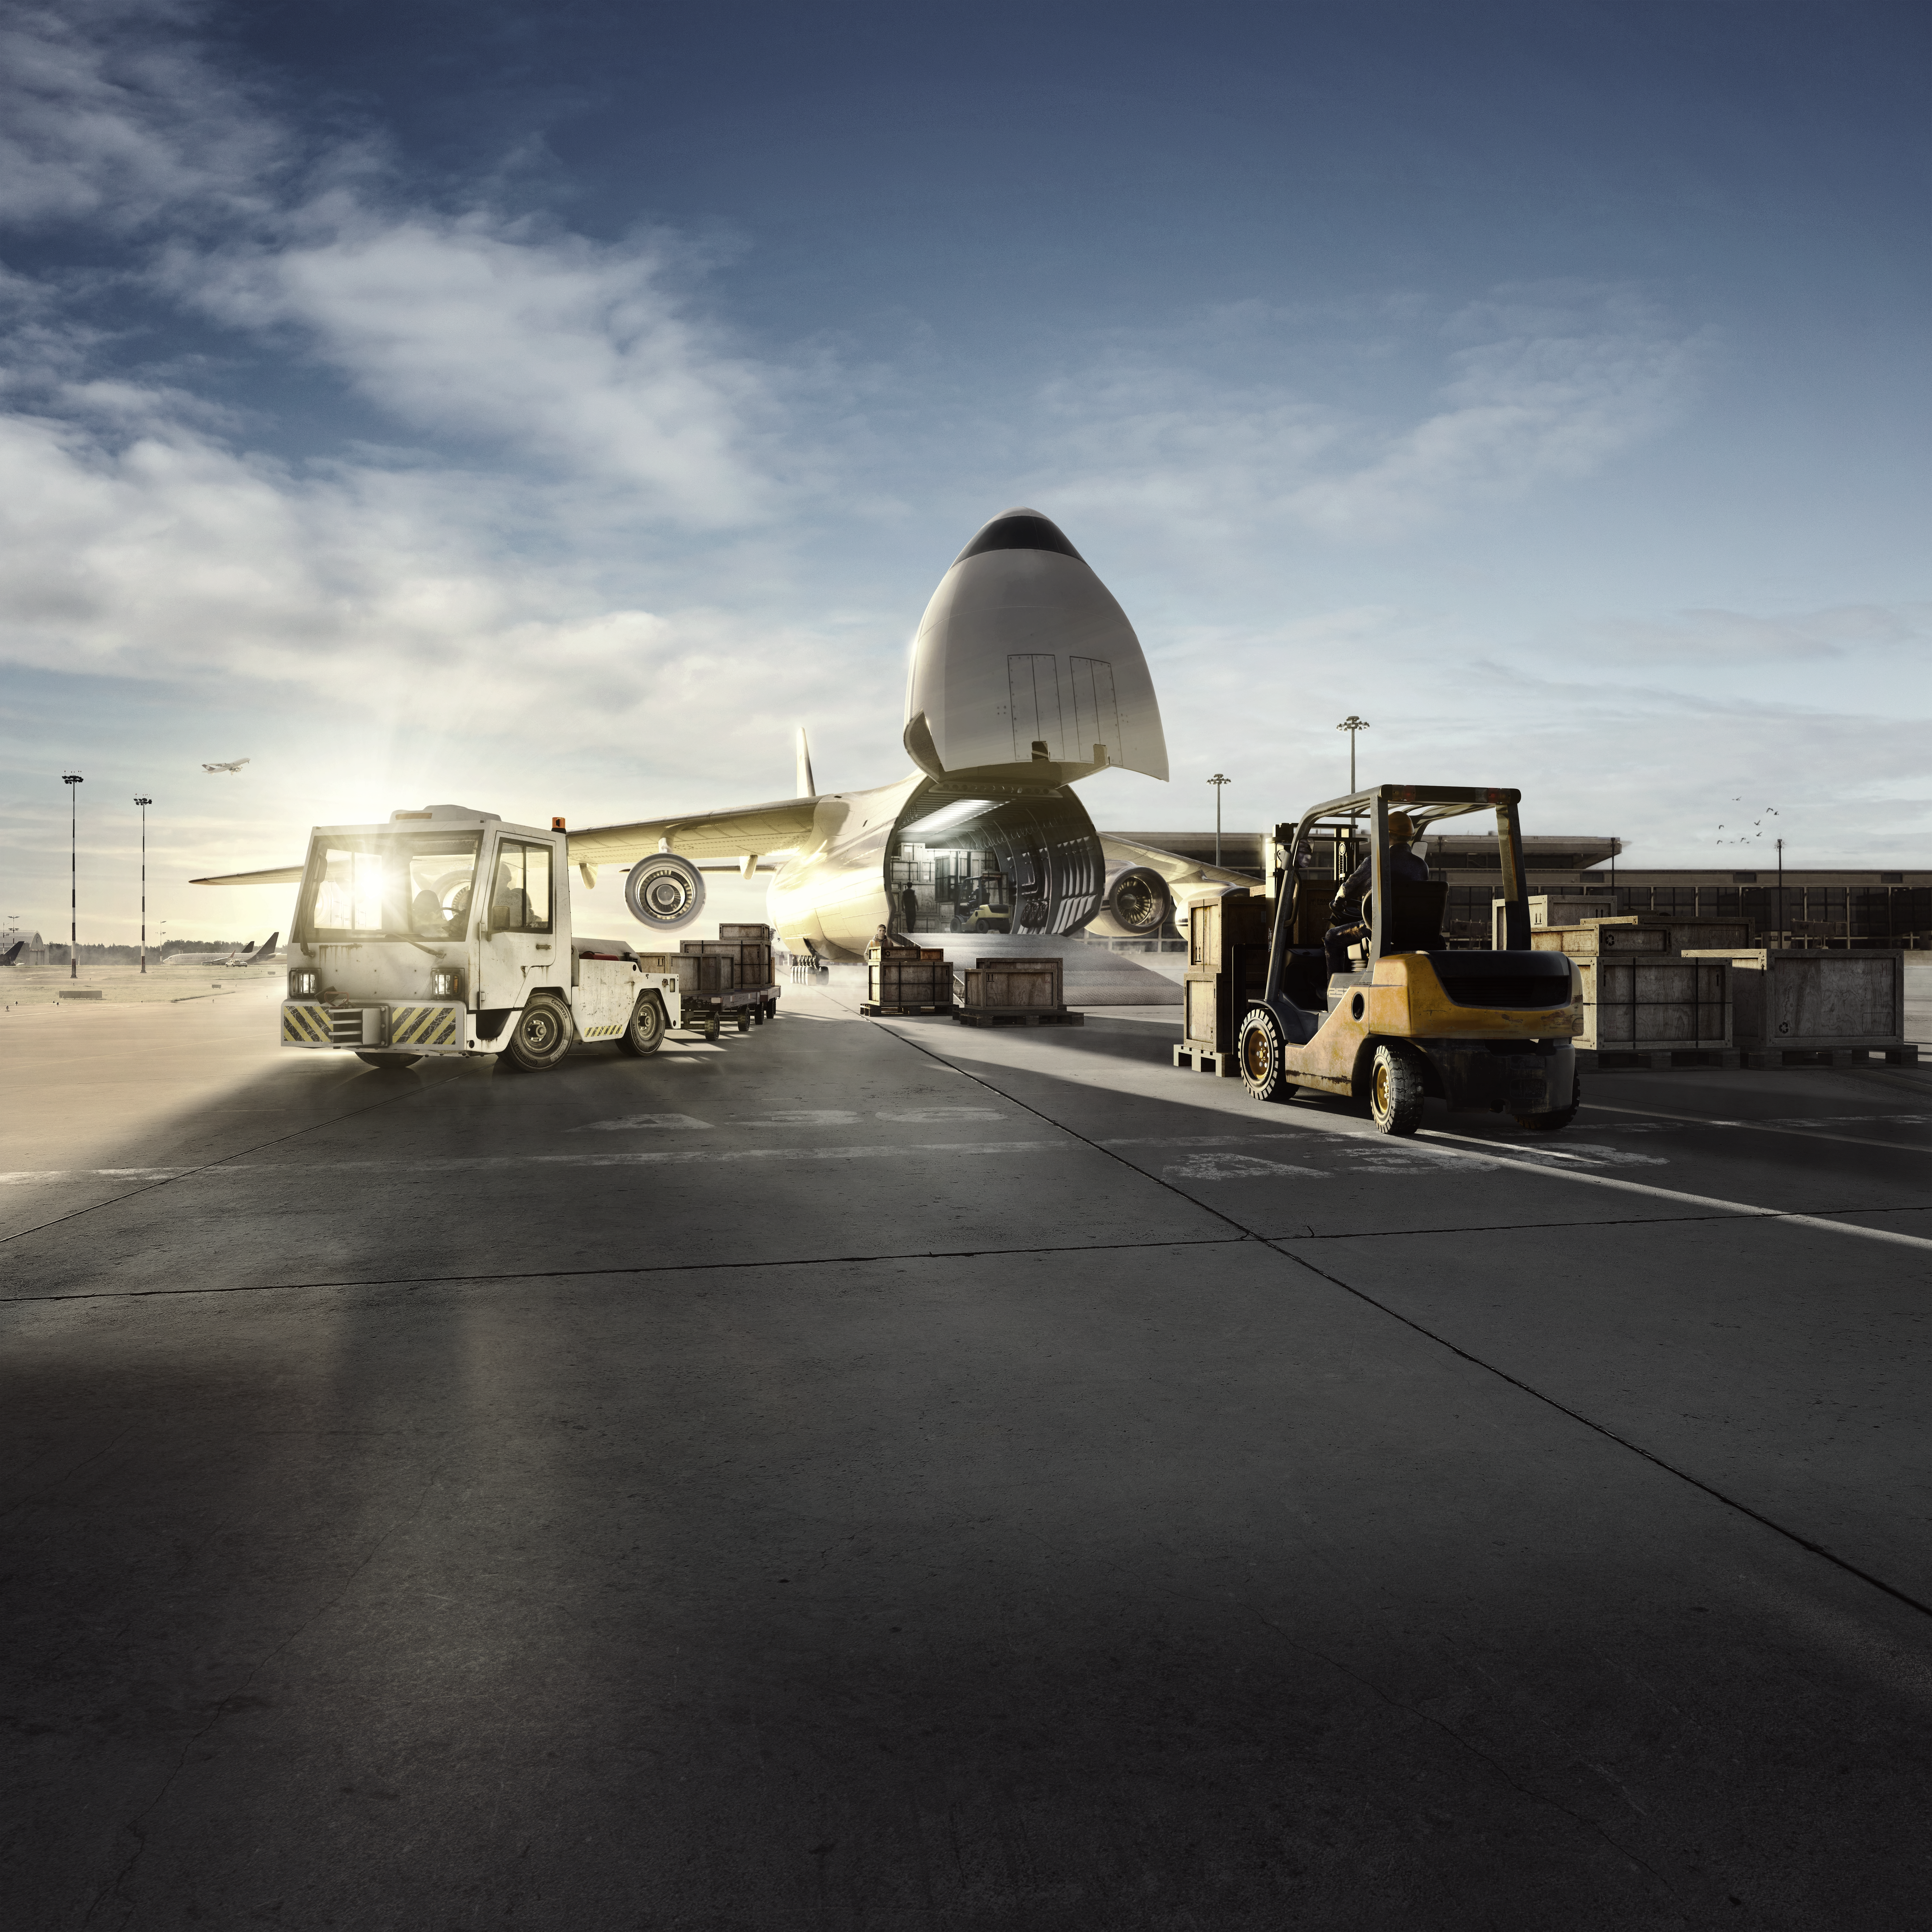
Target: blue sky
[(547, 408)]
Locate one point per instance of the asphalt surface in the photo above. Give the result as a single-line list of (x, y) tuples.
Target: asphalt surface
[(867, 1474)]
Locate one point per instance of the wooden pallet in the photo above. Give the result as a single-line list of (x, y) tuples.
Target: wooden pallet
[(1205, 1060), (1766, 1059), (983, 1016), (1654, 1060), (875, 1011)]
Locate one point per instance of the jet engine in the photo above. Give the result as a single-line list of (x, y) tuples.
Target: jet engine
[(1137, 905), (664, 891)]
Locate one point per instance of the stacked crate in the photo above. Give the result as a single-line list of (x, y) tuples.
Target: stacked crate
[(1644, 1004), (906, 979), (1027, 992), (1228, 940), (717, 964), (1803, 1007), (753, 945)]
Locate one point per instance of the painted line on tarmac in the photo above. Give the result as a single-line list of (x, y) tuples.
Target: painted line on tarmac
[(1804, 1131), (1744, 1208), (1502, 1375)]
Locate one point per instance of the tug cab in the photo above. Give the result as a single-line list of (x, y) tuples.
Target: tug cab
[(1407, 1018)]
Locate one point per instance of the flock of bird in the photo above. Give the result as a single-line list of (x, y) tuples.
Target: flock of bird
[(1756, 832)]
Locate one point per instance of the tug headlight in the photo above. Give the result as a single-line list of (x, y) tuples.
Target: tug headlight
[(304, 982), (446, 983)]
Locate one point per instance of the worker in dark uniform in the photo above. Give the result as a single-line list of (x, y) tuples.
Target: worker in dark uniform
[(1401, 863)]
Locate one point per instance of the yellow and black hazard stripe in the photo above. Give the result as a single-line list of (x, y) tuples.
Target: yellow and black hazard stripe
[(305, 1026), (425, 1026)]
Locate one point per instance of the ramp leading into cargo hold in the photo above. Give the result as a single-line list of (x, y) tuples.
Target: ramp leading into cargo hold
[(1095, 977)]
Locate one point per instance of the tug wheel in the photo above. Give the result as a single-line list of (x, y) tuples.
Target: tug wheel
[(539, 1035), (1555, 1122), (1259, 1048), (1395, 1091), (646, 1032), (393, 1063)]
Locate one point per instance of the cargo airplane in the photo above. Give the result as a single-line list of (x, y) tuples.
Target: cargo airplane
[(1026, 677)]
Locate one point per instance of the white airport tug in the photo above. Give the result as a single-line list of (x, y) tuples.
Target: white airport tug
[(447, 931)]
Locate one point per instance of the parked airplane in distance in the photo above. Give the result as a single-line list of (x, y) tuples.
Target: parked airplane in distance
[(249, 955), (1026, 675), (233, 765)]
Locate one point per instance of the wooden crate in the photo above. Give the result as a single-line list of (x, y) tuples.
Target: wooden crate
[(1015, 986), (1238, 918), (684, 965), (1653, 1004), (911, 982), (1800, 1001), (1599, 936)]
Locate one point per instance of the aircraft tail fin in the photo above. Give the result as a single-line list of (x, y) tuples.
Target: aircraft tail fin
[(806, 787), (267, 946), (13, 952)]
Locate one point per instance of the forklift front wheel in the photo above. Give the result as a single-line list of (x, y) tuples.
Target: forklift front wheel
[(1262, 1072), (1395, 1091), (539, 1035), (645, 1034)]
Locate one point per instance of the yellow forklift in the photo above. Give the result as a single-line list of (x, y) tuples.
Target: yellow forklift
[(1369, 1002)]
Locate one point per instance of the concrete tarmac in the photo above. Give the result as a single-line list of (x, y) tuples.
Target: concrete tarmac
[(891, 1475)]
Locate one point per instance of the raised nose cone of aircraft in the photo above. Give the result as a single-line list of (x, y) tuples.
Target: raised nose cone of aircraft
[(1025, 667)]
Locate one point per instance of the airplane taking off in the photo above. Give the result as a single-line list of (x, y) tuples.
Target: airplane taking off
[(233, 765), (1026, 675)]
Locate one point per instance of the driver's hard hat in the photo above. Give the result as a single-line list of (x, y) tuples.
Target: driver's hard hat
[(1401, 829)]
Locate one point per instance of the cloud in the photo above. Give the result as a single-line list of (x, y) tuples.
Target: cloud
[(108, 114), (1726, 640), (482, 330), (1543, 389)]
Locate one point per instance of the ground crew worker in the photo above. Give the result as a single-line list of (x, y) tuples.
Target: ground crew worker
[(1401, 863)]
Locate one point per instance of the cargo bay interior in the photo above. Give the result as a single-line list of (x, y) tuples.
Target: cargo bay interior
[(1026, 864)]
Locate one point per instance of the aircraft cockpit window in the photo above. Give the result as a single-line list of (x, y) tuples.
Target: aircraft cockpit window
[(1020, 532)]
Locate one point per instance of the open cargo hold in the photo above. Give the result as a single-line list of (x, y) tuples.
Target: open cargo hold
[(1803, 1006), (906, 979), (1022, 991), (1655, 1010)]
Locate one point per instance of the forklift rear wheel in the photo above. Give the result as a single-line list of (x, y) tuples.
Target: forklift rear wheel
[(1546, 1124), (645, 1034), (394, 1063), (539, 1035), (1261, 1055), (1395, 1091)]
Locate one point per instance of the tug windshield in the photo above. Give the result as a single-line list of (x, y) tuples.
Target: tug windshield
[(414, 886)]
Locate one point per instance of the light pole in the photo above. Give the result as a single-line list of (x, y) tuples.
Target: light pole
[(1217, 781), (1352, 724), (71, 779), (144, 803), (1782, 939)]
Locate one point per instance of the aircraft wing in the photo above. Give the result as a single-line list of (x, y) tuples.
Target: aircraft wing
[(279, 875), (780, 827), (1174, 867)]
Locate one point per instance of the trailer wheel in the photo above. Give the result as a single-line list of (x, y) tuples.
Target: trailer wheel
[(744, 1019), (1395, 1091), (1555, 1122), (394, 1063), (1260, 1048), (539, 1035), (645, 1033)]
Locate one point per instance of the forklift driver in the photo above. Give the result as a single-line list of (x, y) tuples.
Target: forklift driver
[(1401, 864)]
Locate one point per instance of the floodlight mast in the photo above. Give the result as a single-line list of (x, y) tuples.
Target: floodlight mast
[(144, 803), (1217, 781), (71, 779)]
